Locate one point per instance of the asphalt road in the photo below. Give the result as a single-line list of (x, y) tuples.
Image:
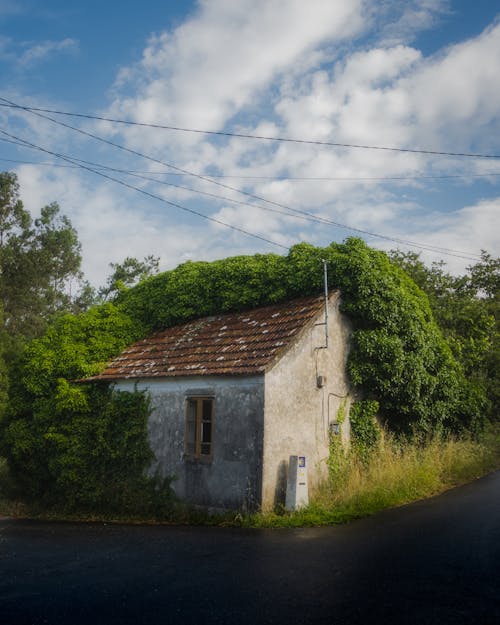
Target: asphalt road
[(432, 562)]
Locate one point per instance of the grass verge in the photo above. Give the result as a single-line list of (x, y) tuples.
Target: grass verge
[(395, 473)]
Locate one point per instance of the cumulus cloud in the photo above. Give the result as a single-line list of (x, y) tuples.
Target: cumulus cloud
[(417, 15), (109, 226), (328, 71), (455, 95), (214, 64)]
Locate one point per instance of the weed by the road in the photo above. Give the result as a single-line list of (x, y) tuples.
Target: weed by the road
[(396, 473)]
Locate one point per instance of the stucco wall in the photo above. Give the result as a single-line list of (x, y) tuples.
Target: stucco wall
[(233, 478), (298, 413)]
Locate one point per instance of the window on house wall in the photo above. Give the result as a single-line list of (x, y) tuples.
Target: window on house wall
[(199, 427)]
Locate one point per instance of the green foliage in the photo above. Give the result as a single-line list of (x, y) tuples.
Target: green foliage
[(74, 347), (4, 378), (365, 430), (91, 453), (126, 274), (398, 355), (196, 289), (467, 310), (38, 260), (337, 456), (47, 416)]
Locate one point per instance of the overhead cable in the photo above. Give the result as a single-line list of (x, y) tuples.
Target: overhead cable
[(442, 250), (282, 178), (148, 194), (239, 135)]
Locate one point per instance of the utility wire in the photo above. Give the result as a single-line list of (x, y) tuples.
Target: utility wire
[(147, 193), (307, 216), (310, 218), (9, 104), (447, 251), (99, 166), (270, 178)]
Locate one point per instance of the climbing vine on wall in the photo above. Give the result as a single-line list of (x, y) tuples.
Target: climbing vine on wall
[(338, 456), (365, 430)]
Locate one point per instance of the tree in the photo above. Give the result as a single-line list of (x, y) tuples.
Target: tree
[(467, 310), (38, 261), (4, 380), (127, 274)]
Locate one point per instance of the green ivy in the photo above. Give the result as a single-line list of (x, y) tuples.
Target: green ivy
[(365, 431), (337, 457), (398, 355)]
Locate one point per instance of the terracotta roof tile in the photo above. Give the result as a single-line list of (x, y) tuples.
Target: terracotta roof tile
[(229, 344)]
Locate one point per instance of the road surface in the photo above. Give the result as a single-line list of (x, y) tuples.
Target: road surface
[(432, 562)]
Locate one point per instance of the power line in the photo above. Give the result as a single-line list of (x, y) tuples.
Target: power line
[(270, 178), (446, 251), (305, 216), (221, 133), (10, 141), (148, 194)]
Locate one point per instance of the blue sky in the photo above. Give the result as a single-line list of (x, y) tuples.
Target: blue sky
[(421, 74)]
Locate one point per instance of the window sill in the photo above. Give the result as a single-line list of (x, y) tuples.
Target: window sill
[(197, 459)]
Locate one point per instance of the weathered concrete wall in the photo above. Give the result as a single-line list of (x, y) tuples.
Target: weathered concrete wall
[(233, 478), (298, 414)]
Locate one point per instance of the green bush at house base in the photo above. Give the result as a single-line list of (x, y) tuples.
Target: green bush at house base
[(91, 454)]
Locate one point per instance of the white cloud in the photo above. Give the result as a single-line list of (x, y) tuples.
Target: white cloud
[(288, 68), (37, 52), (467, 229), (456, 94), (215, 63), (416, 15)]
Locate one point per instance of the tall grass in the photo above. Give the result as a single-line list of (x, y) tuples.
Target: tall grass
[(395, 473)]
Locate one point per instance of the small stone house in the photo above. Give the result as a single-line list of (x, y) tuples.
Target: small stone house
[(234, 395)]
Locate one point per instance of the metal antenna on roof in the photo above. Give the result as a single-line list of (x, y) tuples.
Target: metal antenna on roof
[(325, 277), (325, 322)]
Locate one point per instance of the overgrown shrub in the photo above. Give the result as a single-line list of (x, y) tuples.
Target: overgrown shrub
[(398, 356), (92, 453)]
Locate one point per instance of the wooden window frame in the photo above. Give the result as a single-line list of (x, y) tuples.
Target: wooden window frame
[(196, 446)]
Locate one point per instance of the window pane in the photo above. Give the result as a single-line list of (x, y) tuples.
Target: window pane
[(192, 409), (191, 437), (199, 423), (191, 427), (206, 432), (207, 410)]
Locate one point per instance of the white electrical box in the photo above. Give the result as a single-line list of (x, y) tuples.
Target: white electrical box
[(297, 494)]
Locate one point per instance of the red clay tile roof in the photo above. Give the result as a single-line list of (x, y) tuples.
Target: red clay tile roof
[(230, 344)]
